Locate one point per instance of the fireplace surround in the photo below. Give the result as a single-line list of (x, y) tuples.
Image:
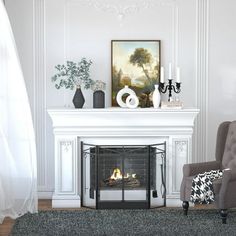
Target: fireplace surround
[(119, 127), (123, 176)]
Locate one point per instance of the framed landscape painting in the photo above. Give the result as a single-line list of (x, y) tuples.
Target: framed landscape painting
[(135, 63)]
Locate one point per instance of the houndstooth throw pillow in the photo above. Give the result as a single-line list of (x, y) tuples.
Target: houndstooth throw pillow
[(202, 187)]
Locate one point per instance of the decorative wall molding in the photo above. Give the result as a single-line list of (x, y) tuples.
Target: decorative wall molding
[(66, 191), (44, 174), (67, 160), (201, 131), (122, 10), (39, 47), (45, 195), (180, 157)]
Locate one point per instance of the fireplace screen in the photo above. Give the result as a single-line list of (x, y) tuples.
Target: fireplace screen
[(123, 176)]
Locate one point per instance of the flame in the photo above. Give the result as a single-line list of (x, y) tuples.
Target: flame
[(118, 175)]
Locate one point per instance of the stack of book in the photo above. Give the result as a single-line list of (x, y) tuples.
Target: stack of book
[(172, 105)]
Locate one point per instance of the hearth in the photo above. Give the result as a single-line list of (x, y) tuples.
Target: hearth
[(123, 176)]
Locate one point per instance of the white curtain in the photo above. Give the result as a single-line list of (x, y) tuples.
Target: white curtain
[(18, 173)]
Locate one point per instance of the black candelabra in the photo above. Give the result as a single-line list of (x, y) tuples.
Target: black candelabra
[(170, 87)]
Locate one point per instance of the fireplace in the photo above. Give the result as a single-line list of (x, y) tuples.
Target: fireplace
[(121, 126), (123, 176)]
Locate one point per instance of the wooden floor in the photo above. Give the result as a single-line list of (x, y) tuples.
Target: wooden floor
[(5, 228), (44, 205)]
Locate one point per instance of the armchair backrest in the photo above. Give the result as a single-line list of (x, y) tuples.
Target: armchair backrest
[(221, 139), (229, 155)]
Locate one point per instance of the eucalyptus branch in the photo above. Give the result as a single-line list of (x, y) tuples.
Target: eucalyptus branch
[(73, 75)]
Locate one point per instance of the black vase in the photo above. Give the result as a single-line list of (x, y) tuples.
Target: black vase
[(98, 99), (78, 99)]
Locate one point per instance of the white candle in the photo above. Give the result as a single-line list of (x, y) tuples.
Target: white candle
[(162, 75), (170, 68), (178, 75)]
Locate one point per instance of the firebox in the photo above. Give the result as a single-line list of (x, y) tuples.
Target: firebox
[(123, 176)]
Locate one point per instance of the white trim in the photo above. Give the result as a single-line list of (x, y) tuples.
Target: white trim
[(40, 91), (202, 28), (179, 143), (173, 201), (175, 34), (45, 195), (66, 203)]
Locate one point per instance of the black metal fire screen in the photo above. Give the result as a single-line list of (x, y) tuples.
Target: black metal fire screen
[(123, 176)]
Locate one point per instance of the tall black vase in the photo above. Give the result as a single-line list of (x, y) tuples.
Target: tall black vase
[(98, 99), (78, 99)]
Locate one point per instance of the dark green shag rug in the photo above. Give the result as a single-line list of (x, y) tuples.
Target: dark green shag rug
[(124, 222)]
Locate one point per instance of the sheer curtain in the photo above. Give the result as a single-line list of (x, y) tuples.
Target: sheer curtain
[(18, 173)]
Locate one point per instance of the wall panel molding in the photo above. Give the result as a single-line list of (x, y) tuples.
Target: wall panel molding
[(129, 9), (45, 181), (40, 92), (202, 33)]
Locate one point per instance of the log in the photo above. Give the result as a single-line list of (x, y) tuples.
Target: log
[(128, 182)]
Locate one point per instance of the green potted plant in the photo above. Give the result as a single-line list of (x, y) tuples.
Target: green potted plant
[(74, 75)]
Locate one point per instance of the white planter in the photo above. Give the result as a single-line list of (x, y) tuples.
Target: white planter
[(132, 101), (156, 98), (125, 90)]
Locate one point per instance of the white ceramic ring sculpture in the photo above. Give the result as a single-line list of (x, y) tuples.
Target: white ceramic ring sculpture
[(125, 90), (132, 101)]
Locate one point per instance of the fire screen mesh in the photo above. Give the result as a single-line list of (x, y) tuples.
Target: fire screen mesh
[(124, 176)]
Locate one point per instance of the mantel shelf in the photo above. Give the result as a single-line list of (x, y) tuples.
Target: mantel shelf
[(109, 120), (121, 110)]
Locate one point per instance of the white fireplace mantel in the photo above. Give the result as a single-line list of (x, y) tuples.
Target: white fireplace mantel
[(142, 125), (104, 121)]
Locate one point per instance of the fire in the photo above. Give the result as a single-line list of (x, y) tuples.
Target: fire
[(118, 175)]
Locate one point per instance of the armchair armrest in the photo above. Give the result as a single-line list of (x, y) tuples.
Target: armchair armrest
[(229, 178), (197, 168), (229, 175)]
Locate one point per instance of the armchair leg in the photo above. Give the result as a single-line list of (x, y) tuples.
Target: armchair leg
[(185, 205), (223, 214)]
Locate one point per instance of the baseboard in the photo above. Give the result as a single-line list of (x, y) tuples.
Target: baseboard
[(65, 201), (45, 195)]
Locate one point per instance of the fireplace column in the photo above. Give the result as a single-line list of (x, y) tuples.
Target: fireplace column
[(66, 194)]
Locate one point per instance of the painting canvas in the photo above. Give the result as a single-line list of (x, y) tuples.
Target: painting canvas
[(135, 63)]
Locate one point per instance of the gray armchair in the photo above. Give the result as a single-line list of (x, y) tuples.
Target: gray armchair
[(224, 188)]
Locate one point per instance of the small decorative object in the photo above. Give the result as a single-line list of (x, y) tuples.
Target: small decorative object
[(135, 63), (98, 94), (78, 99), (132, 101), (170, 86), (156, 97), (121, 93), (172, 105), (74, 75)]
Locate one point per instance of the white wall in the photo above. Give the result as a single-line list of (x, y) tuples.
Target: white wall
[(82, 31), (21, 18), (222, 67), (53, 31)]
